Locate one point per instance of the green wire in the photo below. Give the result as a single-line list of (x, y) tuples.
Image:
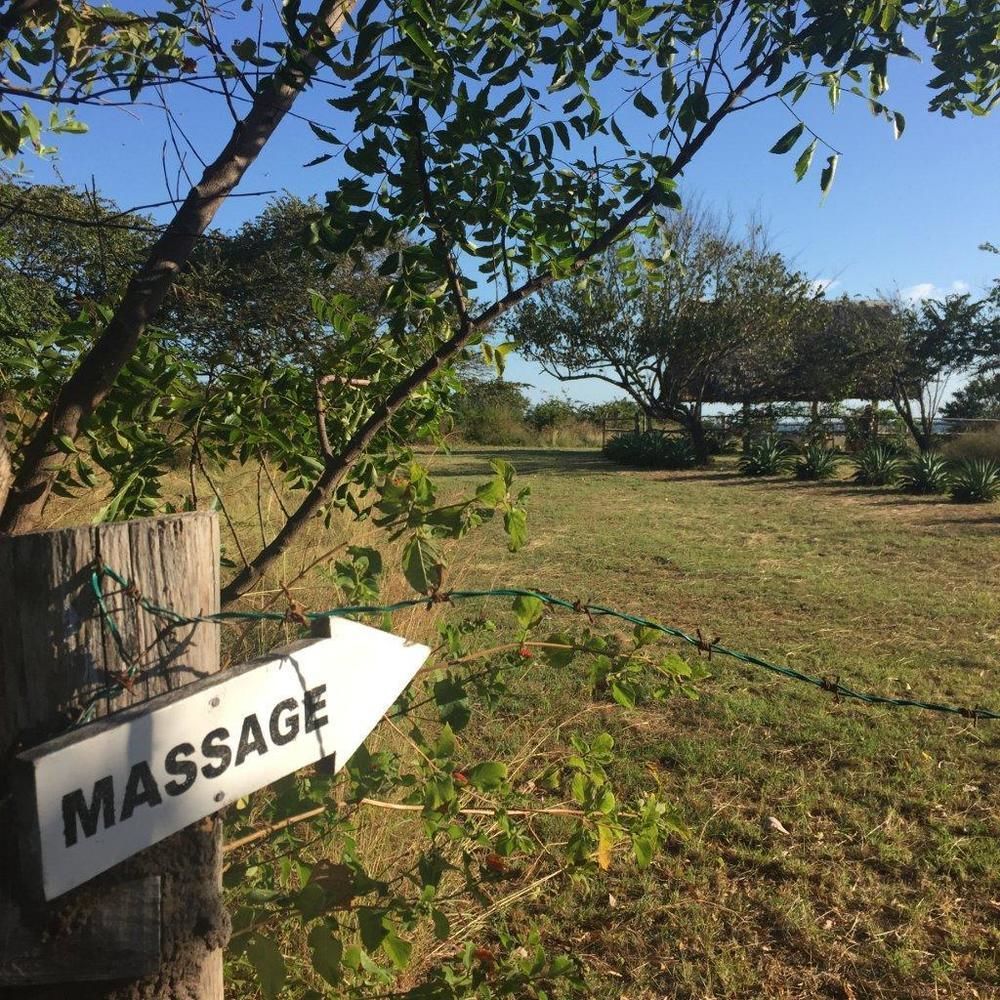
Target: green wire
[(592, 610)]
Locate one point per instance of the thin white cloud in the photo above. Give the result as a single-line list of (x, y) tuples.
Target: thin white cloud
[(824, 284), (928, 290)]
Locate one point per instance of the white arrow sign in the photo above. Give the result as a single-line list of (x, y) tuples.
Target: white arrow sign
[(105, 791)]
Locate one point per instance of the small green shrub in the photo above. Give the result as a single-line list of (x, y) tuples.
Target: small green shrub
[(976, 480), (496, 424), (817, 461), (926, 473), (765, 456), (876, 465), (651, 450)]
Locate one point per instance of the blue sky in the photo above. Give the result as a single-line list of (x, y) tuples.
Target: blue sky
[(903, 215)]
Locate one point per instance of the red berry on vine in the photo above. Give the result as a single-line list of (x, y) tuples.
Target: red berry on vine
[(485, 956)]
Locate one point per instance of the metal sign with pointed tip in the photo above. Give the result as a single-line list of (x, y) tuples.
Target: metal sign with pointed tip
[(99, 794)]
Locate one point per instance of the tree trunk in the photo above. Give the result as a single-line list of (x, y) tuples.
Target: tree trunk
[(97, 371), (55, 655), (745, 422), (923, 438), (695, 427)]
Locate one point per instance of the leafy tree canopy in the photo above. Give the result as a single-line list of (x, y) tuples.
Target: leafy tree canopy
[(248, 296), (708, 317), (60, 249), (978, 399)]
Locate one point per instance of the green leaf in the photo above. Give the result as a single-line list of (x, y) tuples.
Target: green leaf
[(325, 134), (644, 104), (528, 610), (65, 444), (371, 924), (675, 665), (699, 103), (442, 928), (805, 159), (327, 954), (397, 949), (829, 171), (559, 657), (833, 90), (898, 124), (623, 693), (268, 963), (311, 901), (644, 846), (423, 564), (493, 492), (444, 748), (504, 470), (515, 523), (785, 143), (417, 36), (644, 635), (511, 101), (488, 776)]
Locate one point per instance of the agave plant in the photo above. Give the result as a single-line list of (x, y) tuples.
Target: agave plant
[(926, 473), (765, 456), (976, 480), (816, 462), (651, 450), (876, 465)]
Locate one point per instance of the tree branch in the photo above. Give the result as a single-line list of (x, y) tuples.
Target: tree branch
[(337, 468), (98, 369)]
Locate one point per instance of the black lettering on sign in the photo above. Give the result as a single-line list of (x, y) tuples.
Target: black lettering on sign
[(140, 790), (251, 739), (279, 736), (314, 701), (75, 808), (186, 768), (214, 749)]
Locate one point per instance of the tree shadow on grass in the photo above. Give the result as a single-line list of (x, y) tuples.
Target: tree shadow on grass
[(697, 476), (980, 520), (879, 495)]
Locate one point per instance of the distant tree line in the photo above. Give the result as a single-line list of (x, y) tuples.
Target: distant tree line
[(720, 317), (243, 297)]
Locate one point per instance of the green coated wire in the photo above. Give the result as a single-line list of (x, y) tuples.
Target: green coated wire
[(591, 610)]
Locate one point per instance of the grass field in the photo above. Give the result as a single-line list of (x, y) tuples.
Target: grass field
[(888, 881)]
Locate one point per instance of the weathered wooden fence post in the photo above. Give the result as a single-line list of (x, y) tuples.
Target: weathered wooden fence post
[(153, 926)]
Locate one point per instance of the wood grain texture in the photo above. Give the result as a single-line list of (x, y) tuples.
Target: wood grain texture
[(119, 930), (55, 653)]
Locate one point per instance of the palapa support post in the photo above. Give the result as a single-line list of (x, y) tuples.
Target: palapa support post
[(153, 926)]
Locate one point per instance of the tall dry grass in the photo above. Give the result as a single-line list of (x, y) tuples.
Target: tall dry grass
[(975, 444)]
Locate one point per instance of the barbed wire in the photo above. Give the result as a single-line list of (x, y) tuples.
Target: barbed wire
[(122, 681)]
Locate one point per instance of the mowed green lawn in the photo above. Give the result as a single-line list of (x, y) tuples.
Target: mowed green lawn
[(887, 883)]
